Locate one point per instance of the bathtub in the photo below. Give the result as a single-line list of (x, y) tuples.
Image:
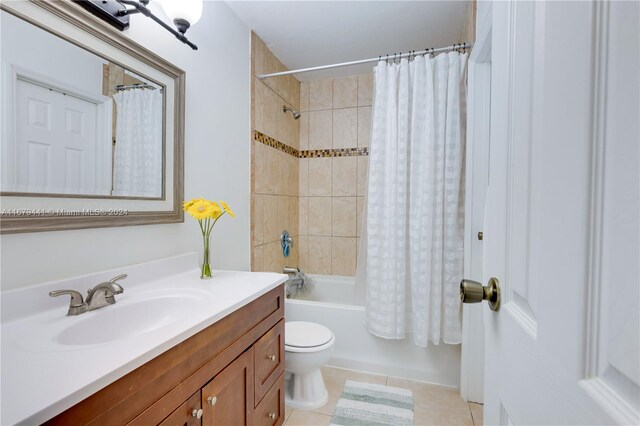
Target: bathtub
[(332, 304)]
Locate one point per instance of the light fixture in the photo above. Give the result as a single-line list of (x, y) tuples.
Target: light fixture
[(183, 13)]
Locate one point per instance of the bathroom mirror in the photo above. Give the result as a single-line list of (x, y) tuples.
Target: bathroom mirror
[(92, 123)]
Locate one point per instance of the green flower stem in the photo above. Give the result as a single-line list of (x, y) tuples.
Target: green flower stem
[(206, 266), (206, 226)]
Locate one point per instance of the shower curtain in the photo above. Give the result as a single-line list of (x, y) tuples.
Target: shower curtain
[(137, 168), (411, 259)]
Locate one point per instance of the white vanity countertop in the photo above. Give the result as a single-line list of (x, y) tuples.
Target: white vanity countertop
[(45, 371)]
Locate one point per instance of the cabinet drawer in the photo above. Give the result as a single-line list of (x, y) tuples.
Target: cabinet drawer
[(184, 415), (269, 360), (270, 411)]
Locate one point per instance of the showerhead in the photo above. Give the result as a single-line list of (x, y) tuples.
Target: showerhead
[(295, 113)]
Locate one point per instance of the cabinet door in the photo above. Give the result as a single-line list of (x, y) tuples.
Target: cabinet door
[(228, 398), (188, 414)]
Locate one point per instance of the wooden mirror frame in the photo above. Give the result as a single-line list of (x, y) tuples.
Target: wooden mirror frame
[(79, 17)]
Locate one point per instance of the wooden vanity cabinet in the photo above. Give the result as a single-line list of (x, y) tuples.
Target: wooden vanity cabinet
[(229, 374)]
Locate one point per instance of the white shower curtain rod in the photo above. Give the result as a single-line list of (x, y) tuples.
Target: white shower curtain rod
[(395, 56)]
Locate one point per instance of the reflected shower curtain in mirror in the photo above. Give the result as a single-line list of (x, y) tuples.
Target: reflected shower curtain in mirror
[(411, 257), (137, 169)]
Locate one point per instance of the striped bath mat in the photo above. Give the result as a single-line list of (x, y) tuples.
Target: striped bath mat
[(366, 404)]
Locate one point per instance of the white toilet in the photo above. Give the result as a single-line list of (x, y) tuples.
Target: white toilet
[(308, 346)]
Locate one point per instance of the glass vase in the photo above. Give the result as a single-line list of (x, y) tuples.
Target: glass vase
[(205, 272)]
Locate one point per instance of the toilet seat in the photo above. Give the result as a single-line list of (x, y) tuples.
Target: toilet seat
[(303, 336)]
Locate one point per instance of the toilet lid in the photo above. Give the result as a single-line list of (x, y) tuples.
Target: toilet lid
[(303, 334)]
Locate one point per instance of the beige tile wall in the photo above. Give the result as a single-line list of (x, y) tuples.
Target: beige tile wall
[(274, 180), (468, 32), (318, 200), (336, 113)]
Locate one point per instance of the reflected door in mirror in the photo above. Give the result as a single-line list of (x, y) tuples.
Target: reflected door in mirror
[(56, 143)]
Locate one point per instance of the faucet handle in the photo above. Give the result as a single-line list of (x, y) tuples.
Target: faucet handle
[(118, 278), (76, 297), (76, 304), (115, 287)]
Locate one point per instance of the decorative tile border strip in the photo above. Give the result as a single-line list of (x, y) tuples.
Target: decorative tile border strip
[(274, 143), (339, 152), (312, 153)]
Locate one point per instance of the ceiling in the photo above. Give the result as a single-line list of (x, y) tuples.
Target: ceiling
[(312, 33)]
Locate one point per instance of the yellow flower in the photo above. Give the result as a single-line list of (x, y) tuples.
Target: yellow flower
[(227, 209), (204, 209), (217, 211), (187, 204)]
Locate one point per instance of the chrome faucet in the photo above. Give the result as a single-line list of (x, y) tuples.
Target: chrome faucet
[(103, 294), (99, 296)]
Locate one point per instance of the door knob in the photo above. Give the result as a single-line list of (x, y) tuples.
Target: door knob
[(474, 292), (272, 358), (212, 400), (197, 413), (272, 416)]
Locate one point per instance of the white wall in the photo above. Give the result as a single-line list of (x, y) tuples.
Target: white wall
[(40, 52), (217, 165), (483, 13)]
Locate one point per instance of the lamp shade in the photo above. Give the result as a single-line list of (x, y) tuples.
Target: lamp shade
[(188, 10)]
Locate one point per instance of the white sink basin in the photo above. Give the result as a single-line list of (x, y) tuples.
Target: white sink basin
[(134, 316), (122, 321)]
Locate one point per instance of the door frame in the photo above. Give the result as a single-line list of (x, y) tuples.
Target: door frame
[(477, 168)]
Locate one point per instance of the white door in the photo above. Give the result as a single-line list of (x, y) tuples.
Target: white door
[(563, 232), (56, 141)]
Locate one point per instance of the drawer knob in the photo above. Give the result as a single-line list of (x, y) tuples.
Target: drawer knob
[(212, 400), (272, 416), (197, 413), (272, 358)]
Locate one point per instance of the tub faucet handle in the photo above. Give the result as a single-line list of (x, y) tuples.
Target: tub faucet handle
[(285, 239)]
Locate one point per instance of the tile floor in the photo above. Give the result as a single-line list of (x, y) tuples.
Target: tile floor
[(433, 405)]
